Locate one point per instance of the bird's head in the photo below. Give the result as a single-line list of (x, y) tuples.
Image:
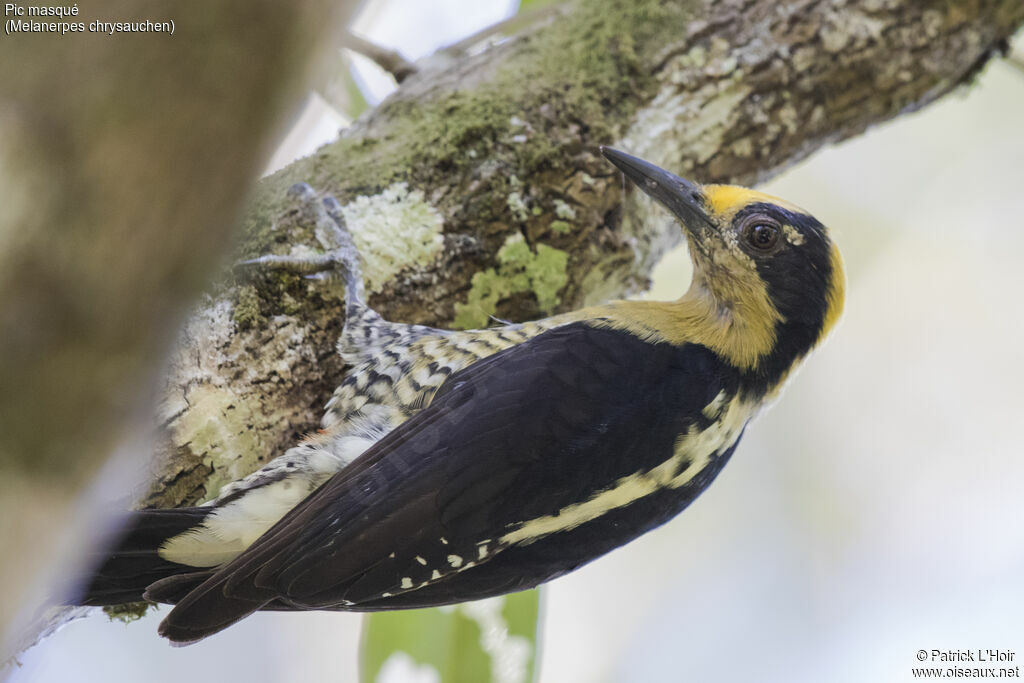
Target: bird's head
[(766, 269)]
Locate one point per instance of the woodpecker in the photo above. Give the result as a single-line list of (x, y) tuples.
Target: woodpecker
[(458, 465)]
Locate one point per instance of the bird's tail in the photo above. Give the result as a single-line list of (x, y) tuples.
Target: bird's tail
[(134, 562)]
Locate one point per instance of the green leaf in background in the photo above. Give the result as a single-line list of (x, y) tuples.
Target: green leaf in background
[(488, 641)]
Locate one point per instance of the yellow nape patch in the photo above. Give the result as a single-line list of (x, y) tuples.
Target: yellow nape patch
[(724, 201), (836, 292)]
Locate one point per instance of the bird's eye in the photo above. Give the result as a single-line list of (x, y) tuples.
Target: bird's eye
[(762, 235)]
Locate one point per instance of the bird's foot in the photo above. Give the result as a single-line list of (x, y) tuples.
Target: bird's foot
[(340, 259)]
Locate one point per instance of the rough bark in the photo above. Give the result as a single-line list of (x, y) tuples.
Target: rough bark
[(124, 161), (493, 159)]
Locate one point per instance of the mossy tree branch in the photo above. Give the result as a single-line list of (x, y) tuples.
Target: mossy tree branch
[(499, 152)]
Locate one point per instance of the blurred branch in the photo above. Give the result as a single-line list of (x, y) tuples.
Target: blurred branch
[(124, 162), (389, 60)]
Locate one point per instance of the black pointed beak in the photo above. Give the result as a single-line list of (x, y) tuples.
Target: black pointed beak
[(679, 196)]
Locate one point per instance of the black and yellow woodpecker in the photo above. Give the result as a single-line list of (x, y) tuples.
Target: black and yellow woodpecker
[(454, 466)]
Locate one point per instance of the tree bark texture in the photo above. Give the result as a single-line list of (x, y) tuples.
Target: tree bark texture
[(477, 188)]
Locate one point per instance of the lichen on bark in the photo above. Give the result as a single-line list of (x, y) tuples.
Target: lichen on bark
[(520, 270)]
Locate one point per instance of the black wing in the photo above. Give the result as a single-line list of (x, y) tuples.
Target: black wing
[(518, 436)]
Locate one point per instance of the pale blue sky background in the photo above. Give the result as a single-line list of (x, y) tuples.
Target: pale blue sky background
[(875, 511)]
